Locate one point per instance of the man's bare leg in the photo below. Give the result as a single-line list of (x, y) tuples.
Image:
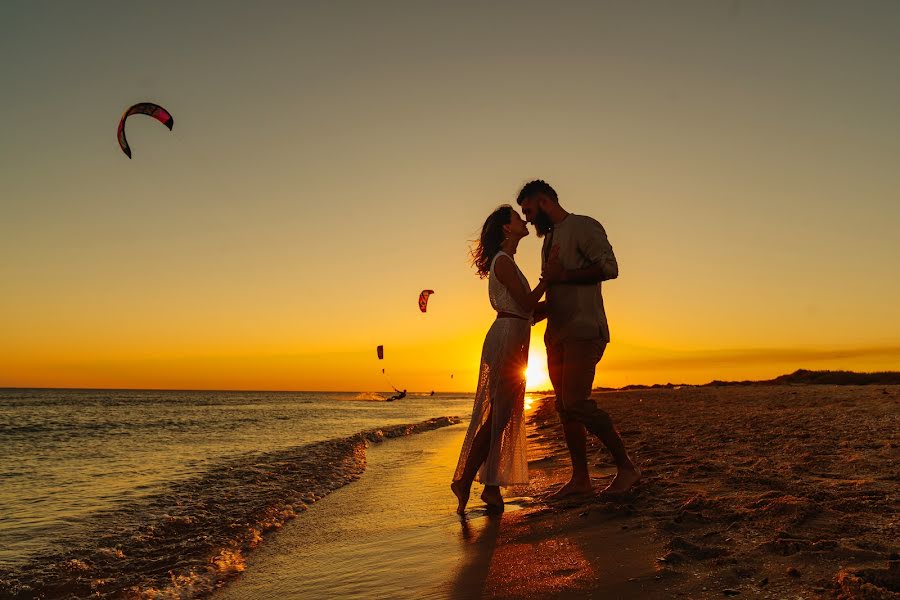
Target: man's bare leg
[(627, 474), (576, 440)]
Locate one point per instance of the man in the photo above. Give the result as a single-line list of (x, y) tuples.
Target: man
[(577, 331)]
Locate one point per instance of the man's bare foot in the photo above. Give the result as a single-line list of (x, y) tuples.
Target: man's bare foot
[(575, 487), (492, 497), (462, 494), (625, 480)]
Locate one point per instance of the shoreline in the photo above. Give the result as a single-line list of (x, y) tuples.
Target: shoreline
[(389, 534), (188, 539), (394, 533), (766, 492)]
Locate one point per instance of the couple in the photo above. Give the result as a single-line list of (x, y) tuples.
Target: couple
[(576, 257)]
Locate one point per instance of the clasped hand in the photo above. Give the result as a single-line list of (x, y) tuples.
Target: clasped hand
[(553, 269)]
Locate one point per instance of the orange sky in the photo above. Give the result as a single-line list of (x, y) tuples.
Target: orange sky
[(328, 163)]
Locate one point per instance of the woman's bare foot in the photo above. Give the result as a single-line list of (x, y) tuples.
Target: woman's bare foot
[(492, 497), (624, 480), (462, 494), (575, 487)]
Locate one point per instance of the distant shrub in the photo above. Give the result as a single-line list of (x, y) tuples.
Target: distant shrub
[(798, 377), (840, 377)]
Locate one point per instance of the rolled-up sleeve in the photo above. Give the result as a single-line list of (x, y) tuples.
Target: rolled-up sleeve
[(596, 249)]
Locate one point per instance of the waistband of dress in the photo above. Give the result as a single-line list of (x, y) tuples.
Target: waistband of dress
[(506, 315)]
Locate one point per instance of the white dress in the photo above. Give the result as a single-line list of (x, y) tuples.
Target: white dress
[(500, 397)]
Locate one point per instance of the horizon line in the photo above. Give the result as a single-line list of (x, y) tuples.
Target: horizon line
[(601, 388)]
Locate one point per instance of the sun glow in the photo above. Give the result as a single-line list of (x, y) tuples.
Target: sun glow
[(536, 376)]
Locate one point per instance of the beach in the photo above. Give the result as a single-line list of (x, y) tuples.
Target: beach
[(749, 491), (761, 491)]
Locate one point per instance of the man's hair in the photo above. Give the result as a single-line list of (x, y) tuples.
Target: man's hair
[(538, 186)]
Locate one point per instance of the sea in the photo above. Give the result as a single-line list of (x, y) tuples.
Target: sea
[(127, 493)]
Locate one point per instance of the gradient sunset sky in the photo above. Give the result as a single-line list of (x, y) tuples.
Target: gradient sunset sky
[(330, 160)]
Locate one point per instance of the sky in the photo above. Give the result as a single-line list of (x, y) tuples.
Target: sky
[(330, 160)]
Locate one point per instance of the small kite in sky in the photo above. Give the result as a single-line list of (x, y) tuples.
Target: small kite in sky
[(144, 108), (423, 299)]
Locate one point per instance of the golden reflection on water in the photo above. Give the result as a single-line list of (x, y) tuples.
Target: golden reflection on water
[(531, 400)]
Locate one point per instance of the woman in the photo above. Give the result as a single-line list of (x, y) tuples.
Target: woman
[(494, 448)]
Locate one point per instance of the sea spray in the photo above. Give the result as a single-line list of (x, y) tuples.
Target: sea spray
[(188, 539)]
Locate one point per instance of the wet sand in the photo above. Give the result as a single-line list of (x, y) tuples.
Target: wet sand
[(394, 534), (757, 491)]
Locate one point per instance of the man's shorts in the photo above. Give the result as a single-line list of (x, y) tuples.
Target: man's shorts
[(572, 364)]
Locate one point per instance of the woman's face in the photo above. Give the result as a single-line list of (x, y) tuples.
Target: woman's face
[(517, 226)]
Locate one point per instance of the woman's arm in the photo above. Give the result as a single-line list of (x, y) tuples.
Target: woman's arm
[(506, 274), (540, 312)]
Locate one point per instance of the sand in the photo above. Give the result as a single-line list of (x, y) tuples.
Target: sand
[(751, 491), (756, 491)]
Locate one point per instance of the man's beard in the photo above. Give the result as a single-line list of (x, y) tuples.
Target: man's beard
[(542, 223)]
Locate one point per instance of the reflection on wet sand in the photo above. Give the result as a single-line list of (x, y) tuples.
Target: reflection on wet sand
[(564, 550), (478, 538)]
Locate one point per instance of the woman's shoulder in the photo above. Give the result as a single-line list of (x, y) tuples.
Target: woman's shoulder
[(503, 257), (503, 262), (505, 267)]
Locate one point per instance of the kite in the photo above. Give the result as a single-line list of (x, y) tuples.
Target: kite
[(423, 299), (380, 351), (144, 108)]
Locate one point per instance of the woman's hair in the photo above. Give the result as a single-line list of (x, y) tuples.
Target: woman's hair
[(491, 239)]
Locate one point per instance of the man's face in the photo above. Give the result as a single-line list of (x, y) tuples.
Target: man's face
[(532, 208)]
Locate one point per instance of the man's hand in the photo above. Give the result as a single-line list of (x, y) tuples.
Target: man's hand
[(553, 270)]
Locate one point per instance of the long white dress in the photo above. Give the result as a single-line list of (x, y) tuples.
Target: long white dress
[(500, 397)]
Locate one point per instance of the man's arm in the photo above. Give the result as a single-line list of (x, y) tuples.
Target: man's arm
[(595, 247), (592, 274)]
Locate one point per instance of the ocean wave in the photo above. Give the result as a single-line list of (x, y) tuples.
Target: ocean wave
[(185, 541), (369, 396)]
